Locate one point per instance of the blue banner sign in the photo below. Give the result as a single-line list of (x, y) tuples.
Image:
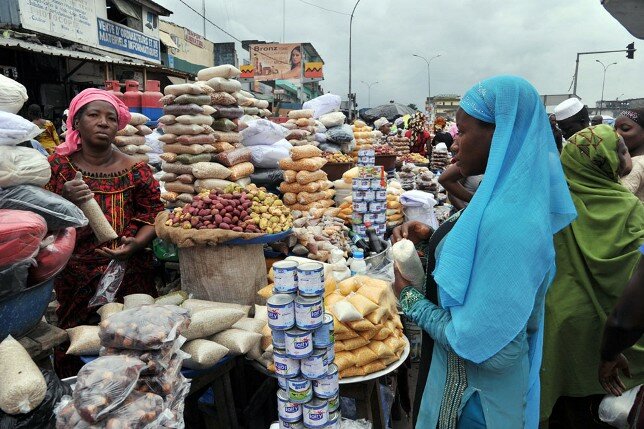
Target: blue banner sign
[(127, 40)]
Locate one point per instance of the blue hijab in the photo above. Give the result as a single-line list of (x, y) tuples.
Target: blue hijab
[(501, 249)]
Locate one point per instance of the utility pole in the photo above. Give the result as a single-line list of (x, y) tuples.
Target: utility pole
[(429, 76), (369, 86), (630, 52), (350, 93), (601, 102)]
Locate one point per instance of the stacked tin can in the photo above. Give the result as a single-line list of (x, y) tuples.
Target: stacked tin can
[(369, 193), (303, 348)]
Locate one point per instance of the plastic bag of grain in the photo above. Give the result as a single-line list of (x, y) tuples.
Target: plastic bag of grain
[(239, 342), (22, 385), (172, 298), (136, 300), (193, 304), (203, 353), (250, 324), (108, 309), (209, 321), (84, 340), (227, 71)]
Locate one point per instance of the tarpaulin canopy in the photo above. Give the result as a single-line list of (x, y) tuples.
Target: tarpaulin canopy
[(389, 111)]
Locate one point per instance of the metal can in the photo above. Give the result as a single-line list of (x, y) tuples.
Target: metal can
[(325, 354), (333, 421), (361, 230), (288, 410), (381, 229), (322, 336), (360, 206), (310, 279), (370, 218), (309, 312), (281, 381), (328, 386), (360, 184), (357, 218), (299, 343), (381, 194), (334, 403), (381, 219), (376, 184), (289, 425), (285, 366), (285, 273), (281, 311), (367, 152), (299, 390), (330, 353), (313, 367), (376, 206), (315, 413), (279, 339)]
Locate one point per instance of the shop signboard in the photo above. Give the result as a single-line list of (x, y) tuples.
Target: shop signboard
[(313, 70), (128, 41), (225, 53), (73, 20), (276, 61), (194, 38), (247, 71)]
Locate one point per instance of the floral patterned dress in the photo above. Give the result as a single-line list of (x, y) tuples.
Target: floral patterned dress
[(130, 199)]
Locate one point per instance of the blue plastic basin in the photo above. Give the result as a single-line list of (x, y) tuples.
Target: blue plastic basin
[(21, 312)]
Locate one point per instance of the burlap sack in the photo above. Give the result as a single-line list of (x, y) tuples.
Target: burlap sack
[(215, 272), (196, 237)]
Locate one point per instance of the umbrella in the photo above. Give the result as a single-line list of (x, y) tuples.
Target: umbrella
[(389, 111)]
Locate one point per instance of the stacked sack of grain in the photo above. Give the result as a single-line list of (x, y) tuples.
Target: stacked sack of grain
[(251, 106), (394, 212), (188, 140), (267, 143), (346, 209), (368, 329), (305, 185), (400, 143), (131, 139), (302, 128), (364, 135), (338, 133)]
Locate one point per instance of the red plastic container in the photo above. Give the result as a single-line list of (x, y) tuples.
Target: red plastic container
[(114, 88), (132, 96), (150, 104)]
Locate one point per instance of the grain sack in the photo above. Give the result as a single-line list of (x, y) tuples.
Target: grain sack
[(129, 140), (344, 360), (250, 324), (208, 110), (185, 198), (167, 99), (304, 177), (209, 321), (128, 149), (297, 114), (210, 170), (203, 354), (97, 221), (194, 119), (309, 164), (210, 184), (262, 104), (201, 139), (251, 111), (168, 120), (297, 134), (290, 176), (172, 298), (192, 99), (307, 151), (234, 157), (289, 198), (230, 112), (222, 147), (178, 148), (224, 124), (186, 179), (408, 262), (183, 88), (240, 171), (222, 99), (261, 313), (108, 309), (129, 130), (203, 86), (179, 188), (308, 198), (346, 312), (23, 386), (168, 138), (143, 149), (136, 300), (193, 159), (227, 71), (84, 340), (169, 196), (176, 168), (223, 84), (138, 119), (184, 109), (296, 188), (183, 129), (237, 341), (228, 137), (193, 304), (144, 130)]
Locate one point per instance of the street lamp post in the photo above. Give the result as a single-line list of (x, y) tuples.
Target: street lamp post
[(429, 78), (603, 83), (350, 94), (369, 86)]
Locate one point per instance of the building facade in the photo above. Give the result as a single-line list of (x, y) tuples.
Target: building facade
[(446, 104)]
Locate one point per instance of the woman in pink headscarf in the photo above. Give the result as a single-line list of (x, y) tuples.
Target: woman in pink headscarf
[(126, 191)]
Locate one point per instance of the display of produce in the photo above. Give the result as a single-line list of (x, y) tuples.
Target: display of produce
[(400, 144), (337, 157), (302, 128), (364, 136), (394, 211), (426, 180), (131, 139), (441, 159), (384, 150), (412, 158), (319, 239)]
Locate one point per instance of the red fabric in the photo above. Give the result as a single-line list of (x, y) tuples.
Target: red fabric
[(419, 146), (21, 233), (54, 257)]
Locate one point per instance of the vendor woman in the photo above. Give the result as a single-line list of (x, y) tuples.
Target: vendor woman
[(126, 191)]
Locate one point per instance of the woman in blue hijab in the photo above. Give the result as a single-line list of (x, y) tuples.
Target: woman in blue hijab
[(494, 266)]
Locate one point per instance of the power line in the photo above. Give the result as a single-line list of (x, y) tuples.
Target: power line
[(324, 8)]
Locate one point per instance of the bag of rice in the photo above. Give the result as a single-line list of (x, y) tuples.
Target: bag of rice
[(261, 313), (138, 119), (179, 188), (408, 262), (178, 148), (382, 334), (143, 149), (374, 366), (193, 159), (223, 84), (203, 354), (129, 130), (83, 340), (136, 300), (193, 304), (229, 137), (23, 386), (227, 71), (128, 149), (172, 298), (184, 109), (297, 114), (363, 355), (381, 349), (388, 361), (376, 316), (210, 184), (230, 112), (237, 341), (354, 343), (250, 324), (306, 151), (305, 177), (240, 171), (194, 119), (308, 164), (168, 138), (361, 325), (183, 129), (182, 88), (234, 157), (168, 120), (209, 321), (176, 168), (192, 99), (222, 99), (108, 309), (347, 334), (224, 125), (210, 170)]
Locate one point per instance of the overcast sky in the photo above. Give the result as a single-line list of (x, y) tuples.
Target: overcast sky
[(536, 39)]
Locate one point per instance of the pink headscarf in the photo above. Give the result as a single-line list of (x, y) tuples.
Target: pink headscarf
[(72, 138)]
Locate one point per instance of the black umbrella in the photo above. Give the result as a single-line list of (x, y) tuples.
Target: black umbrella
[(389, 111)]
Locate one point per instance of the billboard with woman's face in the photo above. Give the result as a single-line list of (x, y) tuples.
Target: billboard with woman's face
[(273, 61)]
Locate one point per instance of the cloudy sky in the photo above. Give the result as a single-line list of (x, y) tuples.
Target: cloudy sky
[(537, 39)]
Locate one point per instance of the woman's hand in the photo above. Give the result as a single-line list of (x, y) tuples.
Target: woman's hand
[(129, 247), (414, 231), (400, 282), (609, 375), (77, 191)]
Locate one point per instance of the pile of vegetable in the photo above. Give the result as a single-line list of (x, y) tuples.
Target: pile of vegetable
[(413, 158), (337, 157), (384, 150)]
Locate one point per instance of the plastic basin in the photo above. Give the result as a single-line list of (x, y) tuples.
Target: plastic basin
[(21, 312), (387, 161), (335, 170)]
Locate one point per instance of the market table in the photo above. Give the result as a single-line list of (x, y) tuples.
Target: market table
[(218, 378)]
